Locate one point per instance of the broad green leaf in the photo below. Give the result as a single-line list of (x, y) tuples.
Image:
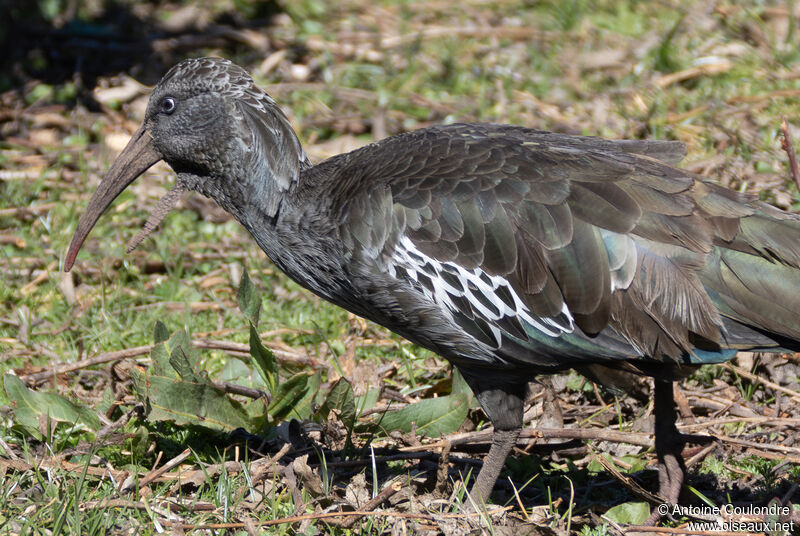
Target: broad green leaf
[(288, 394), (595, 466), (632, 513), (264, 360), (460, 385), (367, 400), (435, 417), (181, 339), (160, 332), (249, 299), (108, 400), (160, 358), (30, 405), (302, 409), (341, 399), (180, 362), (241, 372), (185, 402), (175, 357)]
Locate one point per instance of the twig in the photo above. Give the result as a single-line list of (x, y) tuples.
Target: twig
[(104, 357), (34, 209), (753, 444), (193, 506), (328, 515), (789, 494), (709, 69), (372, 504), (54, 464), (749, 375), (772, 456), (208, 344), (700, 455), (670, 530), (631, 438), (152, 475), (786, 143), (615, 436), (722, 406), (416, 455), (259, 469), (281, 354), (769, 421), (119, 423), (629, 483), (262, 470), (36, 281), (195, 307)]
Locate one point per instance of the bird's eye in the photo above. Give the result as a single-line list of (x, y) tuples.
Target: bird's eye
[(168, 105)]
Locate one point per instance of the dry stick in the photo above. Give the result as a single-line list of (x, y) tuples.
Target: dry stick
[(629, 483), (631, 438), (259, 469), (722, 407), (194, 307), (117, 355), (237, 347), (669, 530), (786, 143), (771, 421), (753, 444), (119, 423), (268, 468), (50, 464), (752, 377), (772, 456), (236, 389), (328, 515), (140, 505), (361, 462), (36, 281), (152, 475), (789, 494), (35, 209), (700, 455), (372, 504), (104, 357)]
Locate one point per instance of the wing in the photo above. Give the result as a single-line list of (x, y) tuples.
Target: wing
[(579, 246)]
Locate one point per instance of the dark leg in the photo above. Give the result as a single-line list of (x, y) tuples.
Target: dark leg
[(502, 400), (502, 443), (669, 445)]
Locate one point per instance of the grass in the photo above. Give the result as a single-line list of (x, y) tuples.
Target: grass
[(610, 68)]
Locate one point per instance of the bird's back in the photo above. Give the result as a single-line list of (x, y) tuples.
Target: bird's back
[(551, 251)]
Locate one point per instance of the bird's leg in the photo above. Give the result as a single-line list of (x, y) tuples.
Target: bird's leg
[(502, 400), (502, 443), (669, 445)]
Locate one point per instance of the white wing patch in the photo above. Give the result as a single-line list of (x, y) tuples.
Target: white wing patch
[(490, 297)]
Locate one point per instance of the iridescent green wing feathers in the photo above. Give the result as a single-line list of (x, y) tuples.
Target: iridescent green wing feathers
[(600, 232)]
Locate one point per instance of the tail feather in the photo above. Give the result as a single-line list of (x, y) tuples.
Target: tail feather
[(754, 281)]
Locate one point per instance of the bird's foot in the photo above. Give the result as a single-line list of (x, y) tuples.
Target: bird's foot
[(671, 474), (669, 449)]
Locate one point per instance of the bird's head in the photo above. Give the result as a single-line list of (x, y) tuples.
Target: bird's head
[(222, 135)]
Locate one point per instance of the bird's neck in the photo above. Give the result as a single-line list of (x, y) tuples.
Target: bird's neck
[(297, 234)]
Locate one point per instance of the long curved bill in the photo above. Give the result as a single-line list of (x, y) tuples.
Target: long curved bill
[(136, 158)]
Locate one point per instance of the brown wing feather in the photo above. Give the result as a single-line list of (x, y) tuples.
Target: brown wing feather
[(568, 219)]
